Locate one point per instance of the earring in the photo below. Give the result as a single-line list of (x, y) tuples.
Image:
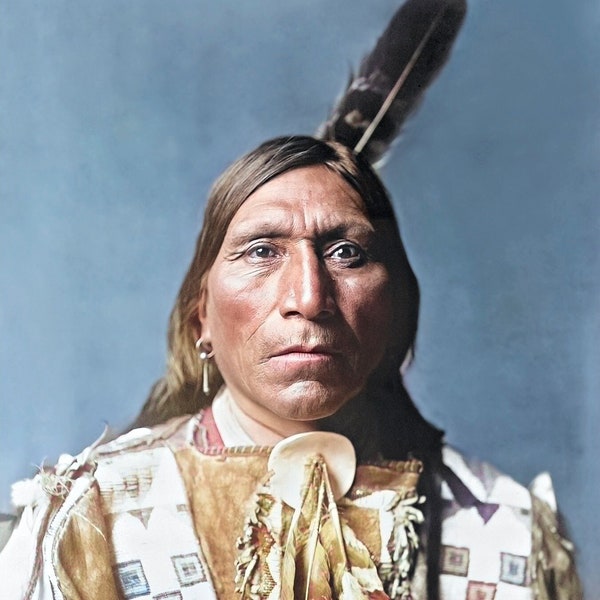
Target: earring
[(205, 358)]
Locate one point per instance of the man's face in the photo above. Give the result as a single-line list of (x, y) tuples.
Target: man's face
[(297, 305)]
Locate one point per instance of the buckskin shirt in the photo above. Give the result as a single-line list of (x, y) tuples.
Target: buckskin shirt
[(174, 512)]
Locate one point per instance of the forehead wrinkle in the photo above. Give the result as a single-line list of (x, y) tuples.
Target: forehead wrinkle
[(285, 221)]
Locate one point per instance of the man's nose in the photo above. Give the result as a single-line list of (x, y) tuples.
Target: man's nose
[(307, 289)]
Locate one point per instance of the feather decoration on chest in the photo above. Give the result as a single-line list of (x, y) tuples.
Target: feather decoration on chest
[(392, 79)]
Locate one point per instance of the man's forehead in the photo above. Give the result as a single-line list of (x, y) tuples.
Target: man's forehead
[(316, 192)]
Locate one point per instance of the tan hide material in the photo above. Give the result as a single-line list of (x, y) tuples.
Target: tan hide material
[(222, 487), (84, 565)]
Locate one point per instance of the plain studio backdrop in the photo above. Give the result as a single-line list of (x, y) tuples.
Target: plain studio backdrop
[(117, 115)]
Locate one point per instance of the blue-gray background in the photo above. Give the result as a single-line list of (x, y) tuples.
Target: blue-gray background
[(117, 115)]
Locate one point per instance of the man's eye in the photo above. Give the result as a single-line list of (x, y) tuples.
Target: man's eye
[(261, 251), (348, 253)]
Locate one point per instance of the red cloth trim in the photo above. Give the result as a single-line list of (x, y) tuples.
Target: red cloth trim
[(207, 434)]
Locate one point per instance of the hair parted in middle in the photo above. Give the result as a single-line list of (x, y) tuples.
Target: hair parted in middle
[(180, 390)]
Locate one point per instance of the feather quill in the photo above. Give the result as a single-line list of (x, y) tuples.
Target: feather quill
[(392, 79)]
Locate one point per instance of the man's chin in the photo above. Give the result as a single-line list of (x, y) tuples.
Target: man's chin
[(310, 401)]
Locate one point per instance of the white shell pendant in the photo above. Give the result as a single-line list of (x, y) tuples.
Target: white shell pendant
[(290, 456)]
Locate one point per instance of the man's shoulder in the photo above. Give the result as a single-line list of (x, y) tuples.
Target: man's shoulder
[(56, 481), (489, 484), (470, 479), (175, 432)]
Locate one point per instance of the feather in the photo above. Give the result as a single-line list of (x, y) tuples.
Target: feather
[(391, 79)]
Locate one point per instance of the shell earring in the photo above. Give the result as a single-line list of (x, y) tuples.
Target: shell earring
[(205, 358)]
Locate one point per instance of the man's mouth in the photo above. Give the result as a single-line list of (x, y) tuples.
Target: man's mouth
[(305, 350)]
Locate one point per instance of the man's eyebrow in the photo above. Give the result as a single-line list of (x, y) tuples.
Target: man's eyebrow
[(347, 230), (246, 233)]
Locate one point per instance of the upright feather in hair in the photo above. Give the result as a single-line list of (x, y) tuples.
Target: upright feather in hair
[(391, 79)]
